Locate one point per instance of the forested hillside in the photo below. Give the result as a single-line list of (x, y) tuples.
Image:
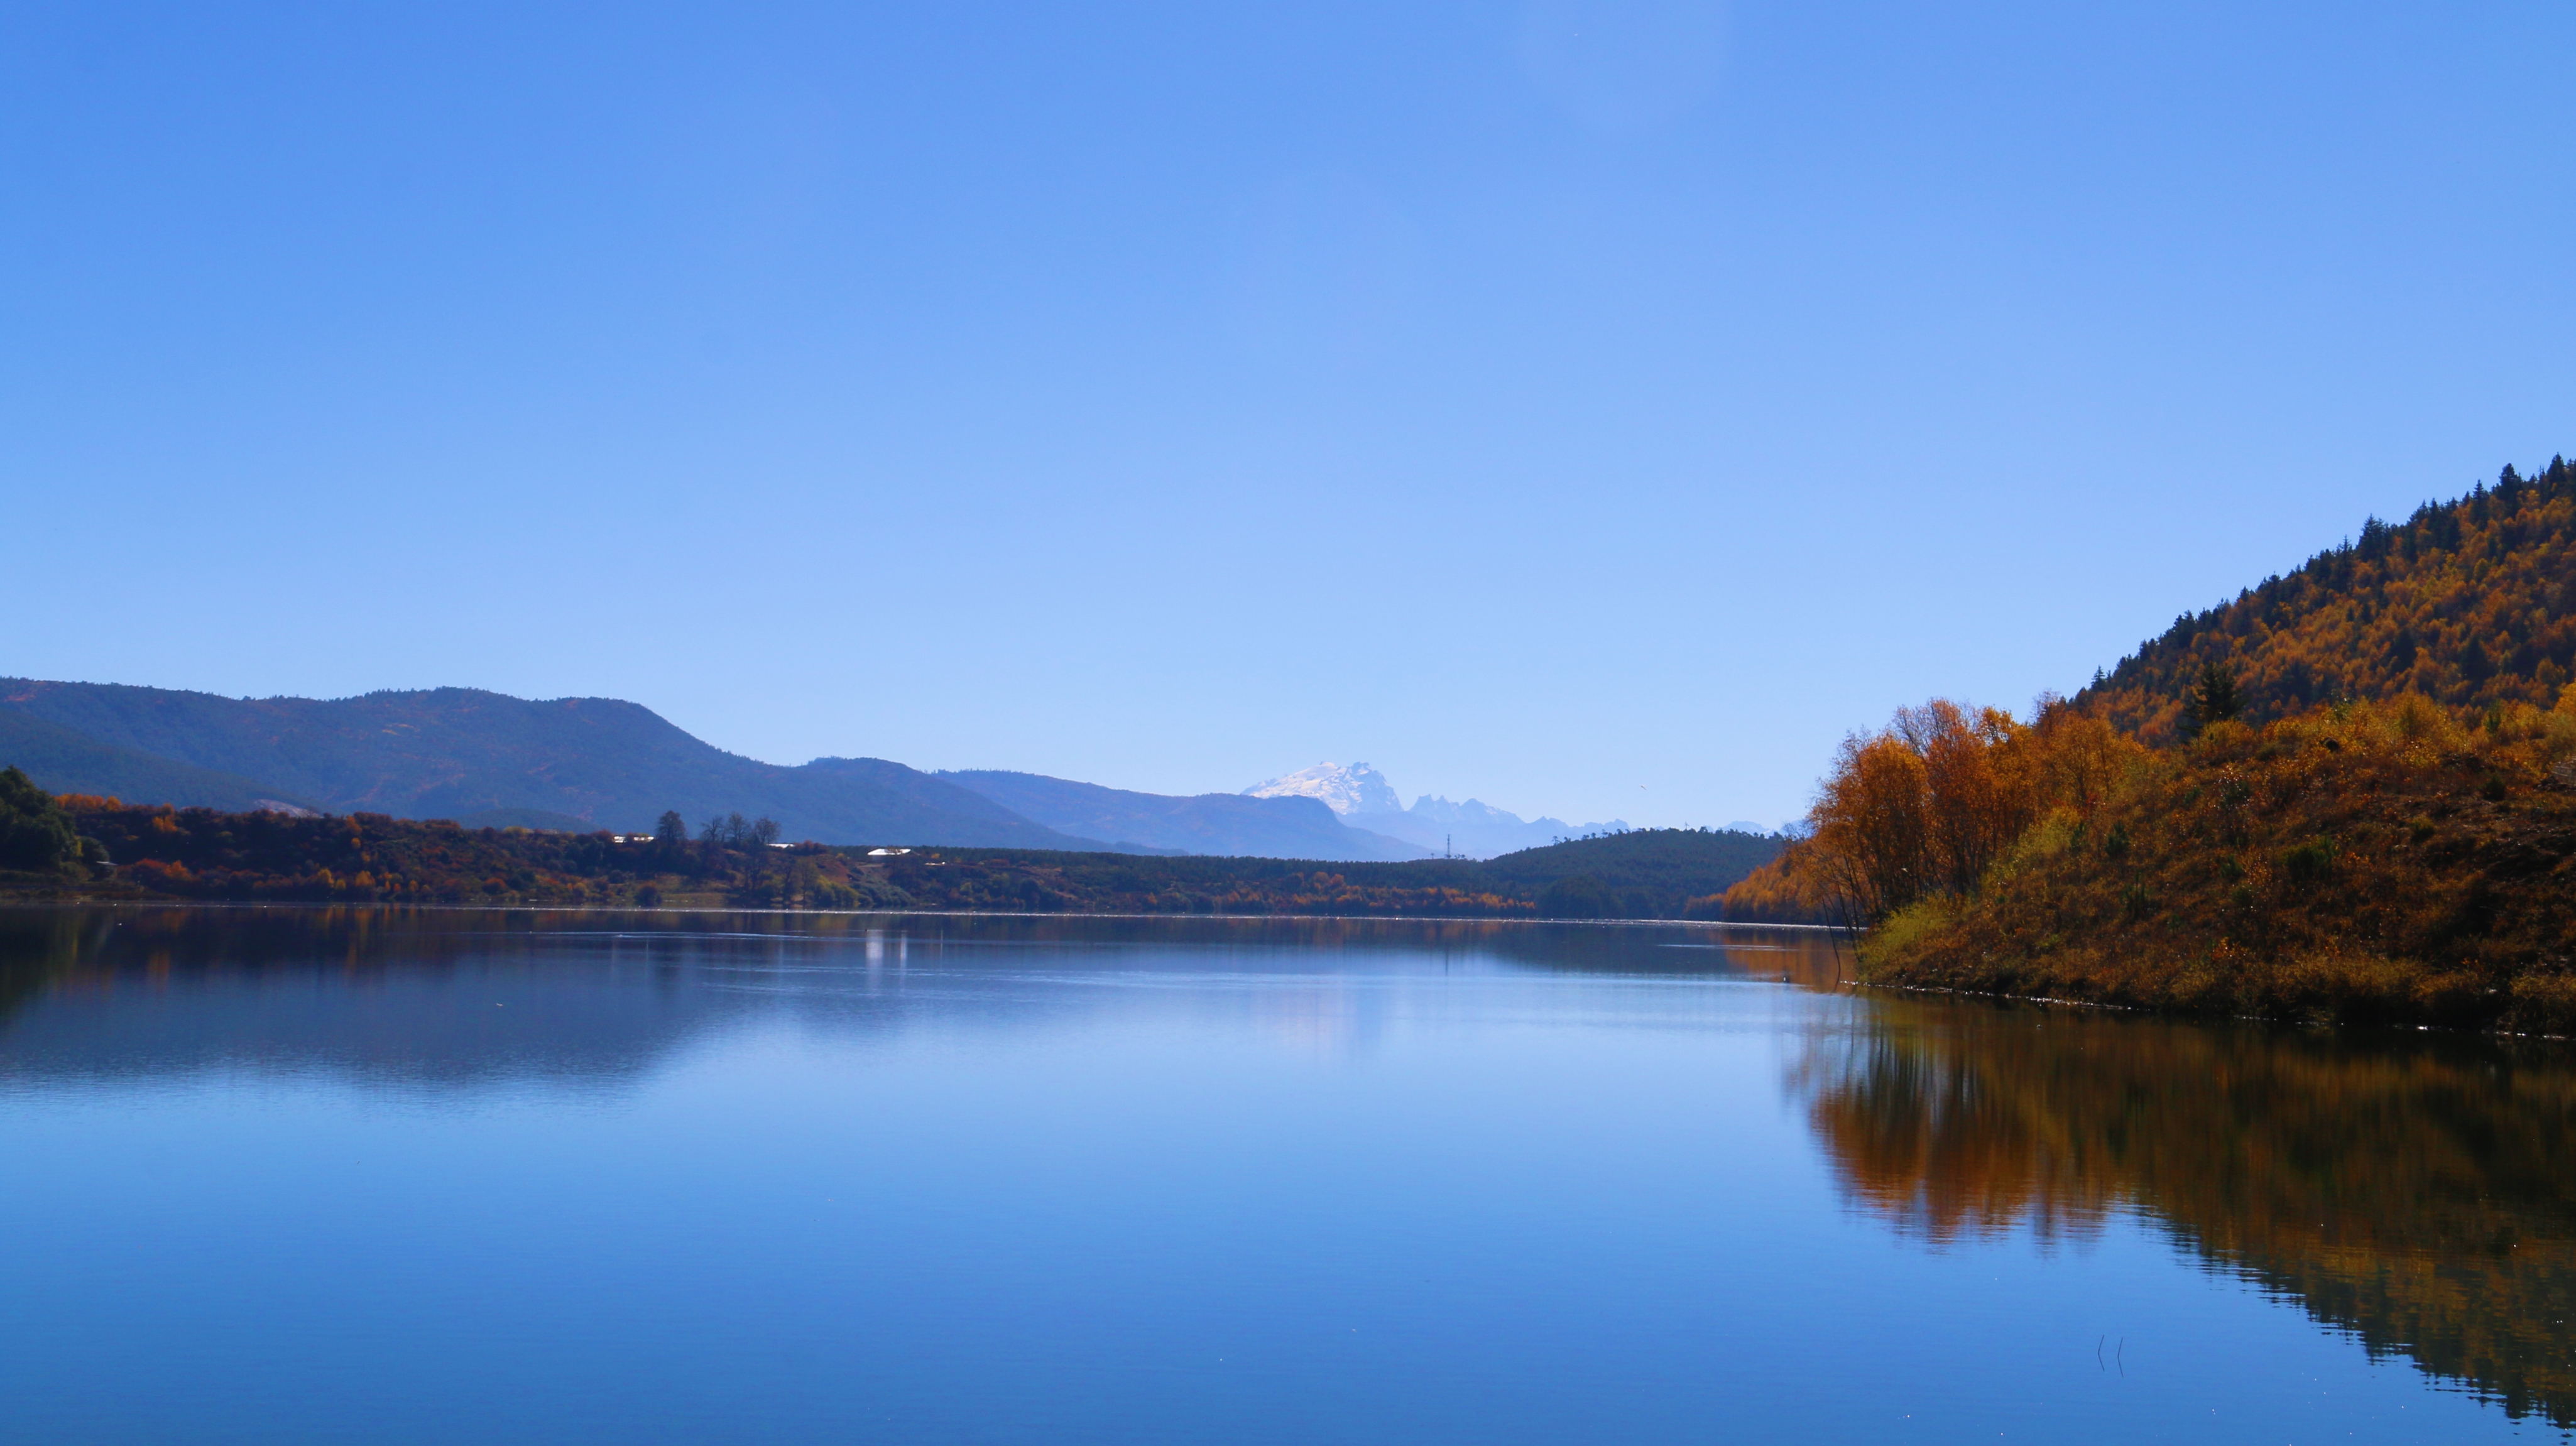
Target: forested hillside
[(66, 760), (1643, 872), (2349, 795), (2471, 603), (2365, 861), (2389, 861)]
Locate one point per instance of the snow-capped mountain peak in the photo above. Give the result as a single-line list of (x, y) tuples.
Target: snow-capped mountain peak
[(1363, 799), (1345, 789)]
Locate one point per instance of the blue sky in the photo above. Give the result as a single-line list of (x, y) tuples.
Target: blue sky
[(1597, 409)]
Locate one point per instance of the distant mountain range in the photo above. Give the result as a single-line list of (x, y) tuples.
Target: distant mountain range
[(576, 764), (1287, 827), (476, 757), (1365, 801)]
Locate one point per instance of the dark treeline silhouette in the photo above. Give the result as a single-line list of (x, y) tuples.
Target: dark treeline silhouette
[(732, 832)]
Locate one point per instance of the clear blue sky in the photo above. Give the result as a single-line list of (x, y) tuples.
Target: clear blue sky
[(1597, 409)]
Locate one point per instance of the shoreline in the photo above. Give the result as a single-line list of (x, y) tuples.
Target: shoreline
[(167, 902)]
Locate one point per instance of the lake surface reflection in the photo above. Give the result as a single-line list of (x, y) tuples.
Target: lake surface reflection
[(328, 1175)]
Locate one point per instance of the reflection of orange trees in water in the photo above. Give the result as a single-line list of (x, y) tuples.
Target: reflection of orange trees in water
[(1942, 1154), (2417, 1196), (1811, 957)]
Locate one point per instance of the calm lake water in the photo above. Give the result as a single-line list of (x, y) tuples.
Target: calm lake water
[(313, 1175)]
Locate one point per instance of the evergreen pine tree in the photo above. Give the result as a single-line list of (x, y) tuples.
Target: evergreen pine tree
[(2212, 698)]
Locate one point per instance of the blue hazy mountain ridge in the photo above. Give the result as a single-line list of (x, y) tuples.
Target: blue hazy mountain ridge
[(1207, 823), (1479, 830), (66, 760), (485, 758), (461, 752)]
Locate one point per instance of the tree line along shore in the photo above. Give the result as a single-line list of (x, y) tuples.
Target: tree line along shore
[(104, 848)]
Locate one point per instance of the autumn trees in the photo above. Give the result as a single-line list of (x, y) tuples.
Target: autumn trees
[(1930, 803), (2347, 790), (2389, 861)]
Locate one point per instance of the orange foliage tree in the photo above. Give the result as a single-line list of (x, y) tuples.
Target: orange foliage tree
[(1930, 803)]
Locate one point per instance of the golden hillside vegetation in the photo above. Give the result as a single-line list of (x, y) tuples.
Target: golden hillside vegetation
[(2349, 794), (2382, 861), (2467, 603)]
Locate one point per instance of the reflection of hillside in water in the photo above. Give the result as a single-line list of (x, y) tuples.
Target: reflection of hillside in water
[(376, 994), (456, 996), (2415, 1192)]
